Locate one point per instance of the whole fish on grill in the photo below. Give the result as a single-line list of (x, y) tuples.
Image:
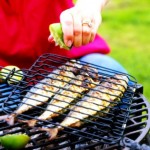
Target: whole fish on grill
[(45, 89), (95, 101), (69, 94)]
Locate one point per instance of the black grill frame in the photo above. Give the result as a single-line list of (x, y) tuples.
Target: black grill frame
[(130, 133), (31, 70)]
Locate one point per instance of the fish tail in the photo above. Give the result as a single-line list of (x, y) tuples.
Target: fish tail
[(52, 132), (10, 119), (30, 123)]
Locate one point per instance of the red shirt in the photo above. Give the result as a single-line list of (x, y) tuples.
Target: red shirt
[(24, 32)]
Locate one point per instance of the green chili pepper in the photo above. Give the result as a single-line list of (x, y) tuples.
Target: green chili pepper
[(14, 141), (57, 34)]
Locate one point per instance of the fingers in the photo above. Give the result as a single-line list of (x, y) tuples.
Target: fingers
[(78, 30), (72, 28), (96, 22), (67, 28), (86, 31), (89, 29)]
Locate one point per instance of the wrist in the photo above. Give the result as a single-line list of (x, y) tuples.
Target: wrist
[(89, 4)]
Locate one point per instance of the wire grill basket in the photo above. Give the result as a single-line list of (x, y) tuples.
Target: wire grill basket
[(78, 99)]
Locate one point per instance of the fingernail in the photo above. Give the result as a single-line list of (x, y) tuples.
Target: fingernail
[(50, 38), (69, 43)]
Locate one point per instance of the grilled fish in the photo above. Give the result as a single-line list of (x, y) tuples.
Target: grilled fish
[(96, 100), (45, 89), (70, 93)]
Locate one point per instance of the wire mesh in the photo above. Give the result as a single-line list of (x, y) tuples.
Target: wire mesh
[(79, 99)]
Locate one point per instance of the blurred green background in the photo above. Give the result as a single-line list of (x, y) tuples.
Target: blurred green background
[(126, 28)]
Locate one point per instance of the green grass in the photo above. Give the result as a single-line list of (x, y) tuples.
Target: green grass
[(126, 28)]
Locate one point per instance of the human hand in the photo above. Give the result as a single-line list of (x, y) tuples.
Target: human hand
[(80, 23)]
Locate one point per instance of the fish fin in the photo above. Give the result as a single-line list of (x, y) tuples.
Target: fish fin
[(51, 132), (10, 119), (30, 123), (54, 115), (77, 124)]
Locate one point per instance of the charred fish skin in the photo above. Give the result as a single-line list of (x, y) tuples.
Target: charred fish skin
[(72, 92), (62, 100), (91, 71), (43, 90), (72, 66), (97, 99)]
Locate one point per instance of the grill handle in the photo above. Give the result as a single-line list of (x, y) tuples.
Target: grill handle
[(129, 144)]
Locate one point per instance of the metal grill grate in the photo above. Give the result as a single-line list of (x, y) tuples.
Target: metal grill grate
[(106, 127), (134, 130)]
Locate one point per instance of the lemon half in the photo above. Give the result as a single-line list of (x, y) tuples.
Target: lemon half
[(15, 74), (57, 34), (14, 141)]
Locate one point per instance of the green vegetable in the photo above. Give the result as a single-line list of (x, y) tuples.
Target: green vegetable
[(57, 34), (14, 78), (14, 141)]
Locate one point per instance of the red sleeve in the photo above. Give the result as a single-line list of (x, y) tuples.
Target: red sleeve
[(24, 31)]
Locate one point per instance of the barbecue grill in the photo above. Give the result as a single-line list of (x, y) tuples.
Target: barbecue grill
[(125, 121)]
